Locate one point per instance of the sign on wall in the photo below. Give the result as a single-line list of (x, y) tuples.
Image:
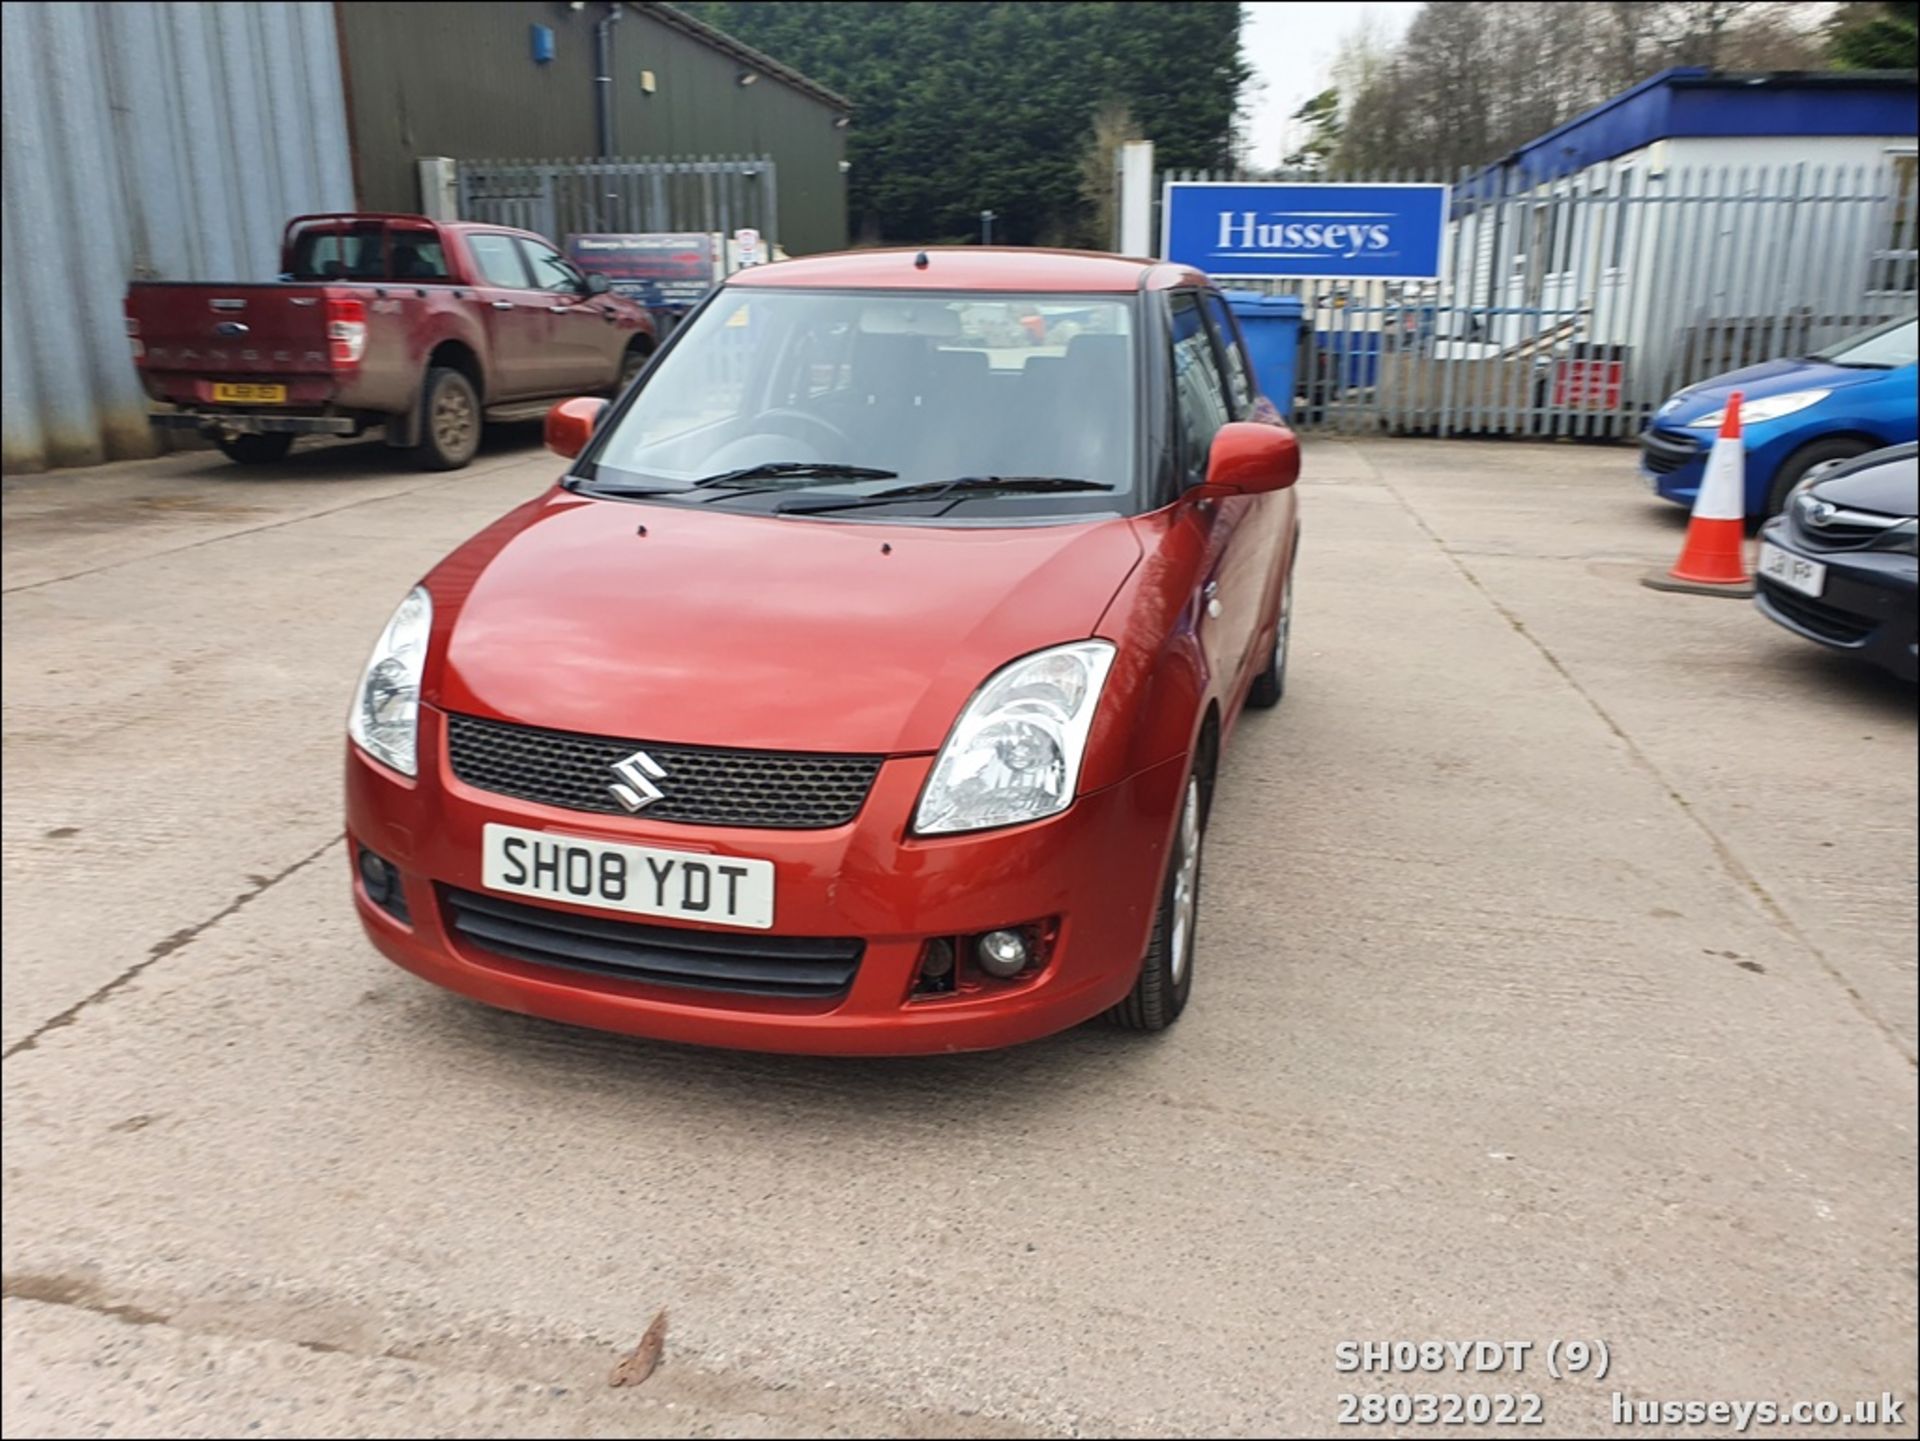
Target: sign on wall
[(1256, 230), (660, 271)]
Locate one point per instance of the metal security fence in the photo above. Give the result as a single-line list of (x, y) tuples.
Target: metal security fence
[(558, 198), (1574, 307)]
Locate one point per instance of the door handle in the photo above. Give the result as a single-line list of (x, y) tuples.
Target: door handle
[(503, 305), (558, 309)]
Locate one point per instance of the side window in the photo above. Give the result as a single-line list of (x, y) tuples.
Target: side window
[(552, 270), (1239, 373), (498, 260), (1200, 393)]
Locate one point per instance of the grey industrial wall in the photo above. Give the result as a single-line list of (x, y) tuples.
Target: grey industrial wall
[(153, 141), (460, 80)]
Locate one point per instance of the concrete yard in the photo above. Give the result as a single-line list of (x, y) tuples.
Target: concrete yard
[(1556, 981)]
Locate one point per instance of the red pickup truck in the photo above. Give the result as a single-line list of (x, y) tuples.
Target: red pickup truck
[(389, 320)]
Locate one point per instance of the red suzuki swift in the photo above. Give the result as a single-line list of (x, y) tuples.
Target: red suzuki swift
[(861, 686)]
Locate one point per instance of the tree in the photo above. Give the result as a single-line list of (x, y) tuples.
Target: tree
[(1321, 116), (1875, 37), (1099, 184), (960, 107), (1472, 80)]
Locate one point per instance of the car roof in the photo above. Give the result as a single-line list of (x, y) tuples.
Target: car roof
[(970, 267)]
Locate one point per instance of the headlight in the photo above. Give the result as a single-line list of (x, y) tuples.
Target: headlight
[(386, 709), (1803, 485), (1767, 407), (1014, 754)]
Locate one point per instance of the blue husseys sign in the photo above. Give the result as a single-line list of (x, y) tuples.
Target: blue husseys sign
[(1356, 232)]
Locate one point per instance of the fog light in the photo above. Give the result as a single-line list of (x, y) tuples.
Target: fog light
[(1003, 953), (937, 960), (375, 876), (381, 881)]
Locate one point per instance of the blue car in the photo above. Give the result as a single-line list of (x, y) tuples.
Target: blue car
[(1798, 417)]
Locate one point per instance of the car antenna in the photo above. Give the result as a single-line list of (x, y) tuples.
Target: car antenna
[(920, 261)]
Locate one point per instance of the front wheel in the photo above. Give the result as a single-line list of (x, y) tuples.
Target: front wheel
[(1271, 684), (1810, 459), (254, 449), (450, 425), (631, 364), (1166, 971)]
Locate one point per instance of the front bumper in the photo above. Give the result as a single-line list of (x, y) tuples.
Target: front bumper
[(1673, 462), (1096, 868), (1866, 607)]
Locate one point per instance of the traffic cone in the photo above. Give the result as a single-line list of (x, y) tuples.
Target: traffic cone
[(1713, 558)]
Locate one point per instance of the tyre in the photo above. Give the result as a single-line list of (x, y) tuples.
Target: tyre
[(631, 364), (254, 449), (1166, 971), (1815, 455), (1271, 684), (450, 424)]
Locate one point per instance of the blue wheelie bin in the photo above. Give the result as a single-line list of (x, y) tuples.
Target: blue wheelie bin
[(1271, 325)]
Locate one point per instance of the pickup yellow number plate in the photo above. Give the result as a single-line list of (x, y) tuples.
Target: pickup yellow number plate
[(250, 394)]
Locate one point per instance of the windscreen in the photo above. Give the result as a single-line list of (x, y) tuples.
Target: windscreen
[(924, 387), (1887, 348)]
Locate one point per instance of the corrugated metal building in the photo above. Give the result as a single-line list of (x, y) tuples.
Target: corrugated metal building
[(156, 141), (173, 140), (464, 81)]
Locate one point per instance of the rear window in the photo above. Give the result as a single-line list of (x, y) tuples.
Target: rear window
[(352, 252), (367, 251), (418, 255)]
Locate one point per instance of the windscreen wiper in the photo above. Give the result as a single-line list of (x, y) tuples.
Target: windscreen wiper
[(739, 481), (793, 469), (962, 487)]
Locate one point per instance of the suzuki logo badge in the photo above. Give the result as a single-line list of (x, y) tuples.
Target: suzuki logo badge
[(636, 789)]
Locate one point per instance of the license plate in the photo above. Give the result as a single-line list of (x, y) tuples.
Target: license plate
[(1795, 572), (250, 394), (642, 880)]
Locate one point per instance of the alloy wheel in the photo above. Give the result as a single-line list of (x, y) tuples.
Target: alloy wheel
[(1281, 630), (1186, 881), (453, 420)]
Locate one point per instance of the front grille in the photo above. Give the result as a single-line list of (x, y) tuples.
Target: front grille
[(1826, 621), (1665, 451), (744, 963), (776, 789), (1843, 530)]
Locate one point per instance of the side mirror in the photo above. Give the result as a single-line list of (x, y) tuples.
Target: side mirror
[(598, 284), (570, 424), (1251, 458)]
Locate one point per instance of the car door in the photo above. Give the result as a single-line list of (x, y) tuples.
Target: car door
[(1201, 408), (1256, 563), (586, 343), (515, 314)]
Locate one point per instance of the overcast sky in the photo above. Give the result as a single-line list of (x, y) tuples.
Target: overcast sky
[(1291, 46)]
